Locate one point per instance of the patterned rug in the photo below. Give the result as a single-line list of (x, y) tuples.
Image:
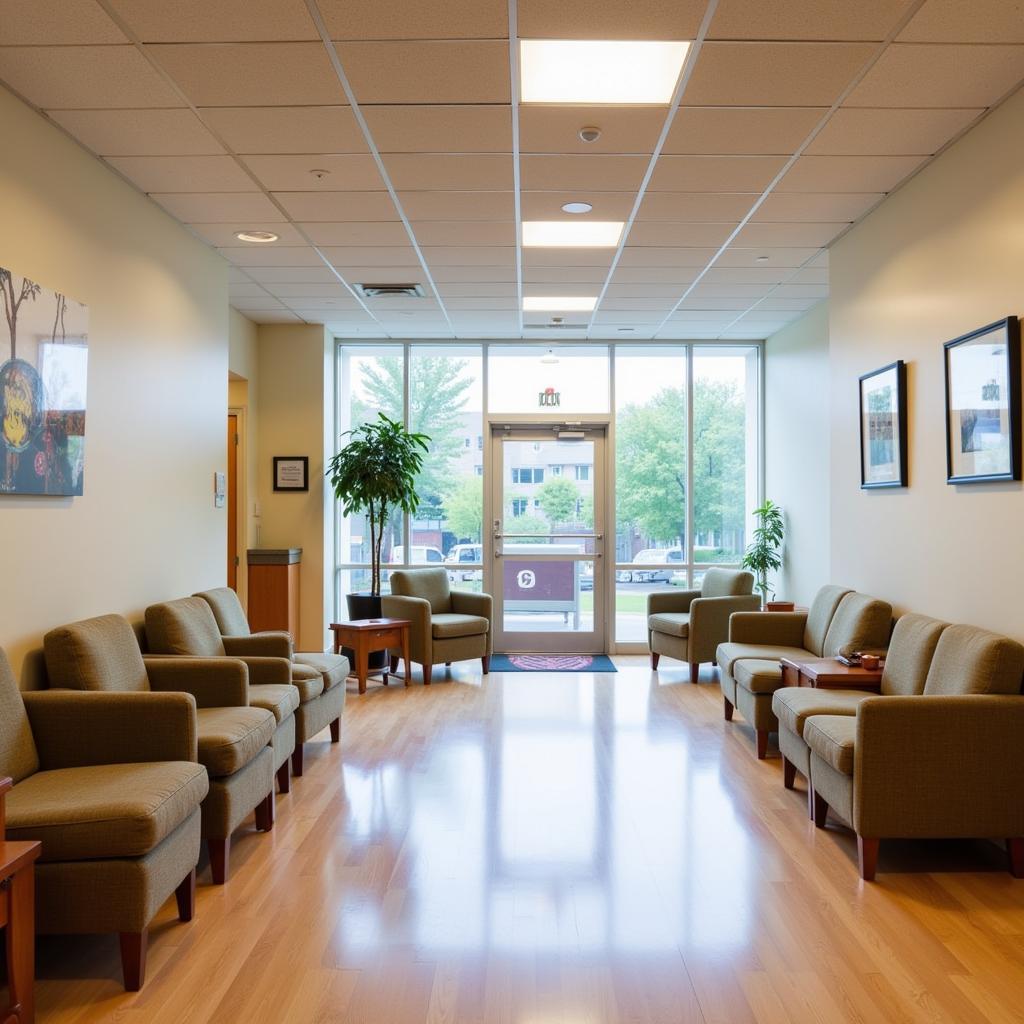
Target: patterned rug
[(551, 663)]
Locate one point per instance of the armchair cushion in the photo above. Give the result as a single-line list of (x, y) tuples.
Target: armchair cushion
[(910, 654), (448, 625), (95, 654), (468, 602), (860, 623), (229, 738), (185, 626), (280, 700), (773, 629), (227, 610), (307, 681), (672, 623), (104, 811), (430, 584), (794, 705), (819, 618), (730, 653), (969, 660), (758, 675), (675, 601), (18, 754), (333, 668), (726, 583), (833, 739)]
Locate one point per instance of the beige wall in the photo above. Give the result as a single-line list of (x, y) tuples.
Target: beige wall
[(146, 528), (942, 256), (243, 394), (296, 414), (797, 449)]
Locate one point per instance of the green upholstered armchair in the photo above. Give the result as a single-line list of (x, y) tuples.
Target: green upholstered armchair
[(690, 624), (447, 625)]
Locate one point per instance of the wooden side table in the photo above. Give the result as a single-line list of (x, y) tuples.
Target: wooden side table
[(829, 674), (364, 636), (17, 915)]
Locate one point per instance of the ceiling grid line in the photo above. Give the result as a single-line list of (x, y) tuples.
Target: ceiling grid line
[(517, 199)]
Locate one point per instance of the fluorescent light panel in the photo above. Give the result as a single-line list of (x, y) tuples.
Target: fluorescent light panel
[(574, 234), (559, 303), (599, 71)]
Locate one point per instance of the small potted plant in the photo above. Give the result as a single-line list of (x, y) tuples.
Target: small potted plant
[(375, 474), (762, 556)]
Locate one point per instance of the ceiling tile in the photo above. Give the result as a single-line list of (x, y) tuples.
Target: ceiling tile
[(224, 234), (600, 172), (256, 304), (464, 274), (366, 273), (546, 287), (479, 289), (731, 291), (816, 291), (922, 75), (848, 173), (269, 317), (953, 21), (609, 19), (441, 129), (56, 23), (709, 315), (816, 206), (543, 275), (491, 303), (290, 172), (548, 205), (793, 305), (184, 173), (427, 171), (772, 235), (806, 19), (634, 316), (747, 275), (271, 256), (818, 261), (223, 21), (270, 276), (458, 256), (661, 305), (422, 206), (555, 129), (672, 234), (378, 256), (252, 74), (399, 19), (670, 292), (713, 305), (303, 290), (774, 74), (338, 206), (390, 232), (714, 173), (84, 77), (853, 131), (331, 129), (812, 275), (543, 257), (418, 71), (649, 256), (696, 207), (464, 232), (218, 207), (138, 132), (636, 264), (777, 257), (748, 131)]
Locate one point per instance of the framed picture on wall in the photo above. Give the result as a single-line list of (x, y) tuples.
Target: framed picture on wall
[(983, 404), (291, 473), (883, 427)]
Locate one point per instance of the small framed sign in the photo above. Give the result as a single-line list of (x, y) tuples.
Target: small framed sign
[(883, 427), (291, 473)]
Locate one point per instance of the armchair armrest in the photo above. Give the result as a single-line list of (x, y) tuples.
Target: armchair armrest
[(74, 728), (671, 601), (417, 611), (709, 622), (268, 670), (214, 682), (778, 629), (259, 645), (468, 602), (939, 766)]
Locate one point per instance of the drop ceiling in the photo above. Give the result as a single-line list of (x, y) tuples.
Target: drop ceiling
[(792, 120)]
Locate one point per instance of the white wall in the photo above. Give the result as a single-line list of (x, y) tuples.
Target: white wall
[(797, 450), (942, 256), (146, 528)]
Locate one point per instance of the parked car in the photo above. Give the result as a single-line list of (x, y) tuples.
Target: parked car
[(465, 553), (421, 555), (650, 557)]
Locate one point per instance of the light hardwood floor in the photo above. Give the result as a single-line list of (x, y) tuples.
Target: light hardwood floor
[(561, 849)]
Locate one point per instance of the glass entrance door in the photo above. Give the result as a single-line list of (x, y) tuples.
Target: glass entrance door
[(548, 539)]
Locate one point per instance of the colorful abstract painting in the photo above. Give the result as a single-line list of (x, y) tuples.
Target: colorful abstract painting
[(42, 389)]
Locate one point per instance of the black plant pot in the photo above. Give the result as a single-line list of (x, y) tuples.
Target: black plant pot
[(365, 606)]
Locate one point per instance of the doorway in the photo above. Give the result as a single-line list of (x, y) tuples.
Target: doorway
[(232, 500), (547, 501)]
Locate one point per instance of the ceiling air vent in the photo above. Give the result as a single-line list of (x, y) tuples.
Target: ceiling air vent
[(390, 291)]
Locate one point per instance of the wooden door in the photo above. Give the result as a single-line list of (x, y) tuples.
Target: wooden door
[(232, 500)]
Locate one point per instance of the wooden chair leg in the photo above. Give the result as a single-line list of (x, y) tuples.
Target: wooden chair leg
[(694, 672), (336, 730), (394, 663), (265, 813), (819, 810), (133, 959), (284, 777), (655, 658), (220, 854), (788, 773), (486, 662), (867, 857), (297, 761), (426, 674), (762, 744), (728, 709), (185, 894), (21, 949), (1015, 851)]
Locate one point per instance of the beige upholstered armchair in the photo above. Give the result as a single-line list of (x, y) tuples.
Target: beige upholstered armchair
[(690, 624), (234, 739), (447, 625), (110, 785)]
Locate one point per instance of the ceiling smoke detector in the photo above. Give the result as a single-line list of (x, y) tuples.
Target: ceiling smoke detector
[(589, 133), (577, 208), (390, 291)]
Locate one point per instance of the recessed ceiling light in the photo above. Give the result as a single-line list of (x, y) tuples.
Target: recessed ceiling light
[(589, 133), (585, 234), (562, 303), (577, 208), (599, 71), (256, 236)]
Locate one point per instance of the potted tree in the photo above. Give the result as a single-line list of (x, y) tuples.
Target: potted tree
[(762, 556), (375, 474)]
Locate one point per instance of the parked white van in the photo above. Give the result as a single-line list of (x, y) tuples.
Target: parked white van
[(421, 555)]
